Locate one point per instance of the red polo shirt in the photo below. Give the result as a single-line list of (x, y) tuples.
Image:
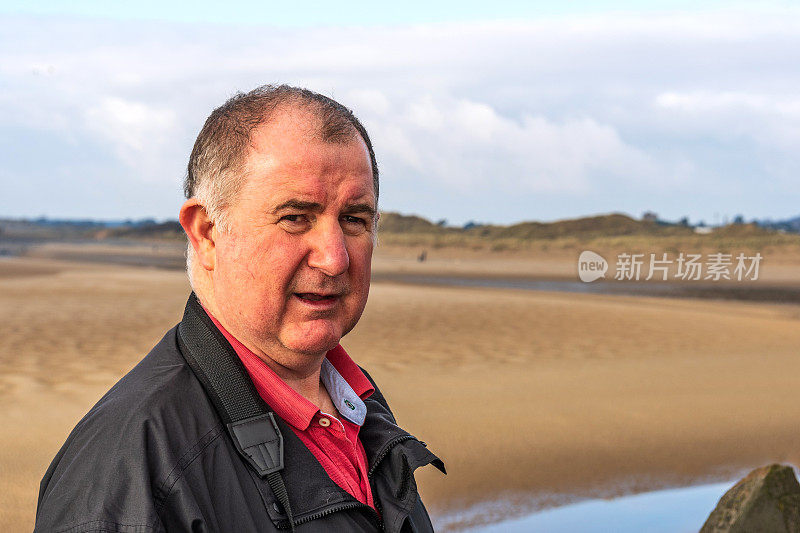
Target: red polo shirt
[(333, 441)]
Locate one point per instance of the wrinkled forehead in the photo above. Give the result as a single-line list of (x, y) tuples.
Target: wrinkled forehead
[(291, 129), (289, 150)]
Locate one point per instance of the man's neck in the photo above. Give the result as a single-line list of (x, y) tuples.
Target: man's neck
[(305, 379), (305, 382)]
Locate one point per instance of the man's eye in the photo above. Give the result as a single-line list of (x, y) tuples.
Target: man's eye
[(354, 224), (293, 222)]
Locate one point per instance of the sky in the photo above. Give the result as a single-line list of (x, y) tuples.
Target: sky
[(492, 112)]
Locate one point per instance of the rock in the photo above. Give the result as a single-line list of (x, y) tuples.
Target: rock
[(767, 500)]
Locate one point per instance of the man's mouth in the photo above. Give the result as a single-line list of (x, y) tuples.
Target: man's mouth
[(316, 297)]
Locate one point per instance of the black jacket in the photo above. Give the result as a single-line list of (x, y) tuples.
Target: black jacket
[(159, 453)]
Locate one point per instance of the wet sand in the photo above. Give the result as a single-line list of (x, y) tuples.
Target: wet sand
[(525, 394)]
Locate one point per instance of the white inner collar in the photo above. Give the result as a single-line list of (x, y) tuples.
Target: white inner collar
[(342, 395)]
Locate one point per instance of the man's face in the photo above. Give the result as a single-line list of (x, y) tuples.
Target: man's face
[(292, 273)]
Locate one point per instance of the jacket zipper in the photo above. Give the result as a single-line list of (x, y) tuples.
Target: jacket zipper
[(331, 510), (326, 512), (352, 505), (381, 456)]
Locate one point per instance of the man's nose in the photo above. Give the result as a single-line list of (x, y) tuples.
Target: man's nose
[(328, 250)]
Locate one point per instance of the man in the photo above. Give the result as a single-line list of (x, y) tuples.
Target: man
[(249, 415)]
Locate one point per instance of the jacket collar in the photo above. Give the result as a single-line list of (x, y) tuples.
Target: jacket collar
[(310, 489)]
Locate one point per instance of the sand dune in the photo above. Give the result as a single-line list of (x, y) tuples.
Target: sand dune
[(522, 393)]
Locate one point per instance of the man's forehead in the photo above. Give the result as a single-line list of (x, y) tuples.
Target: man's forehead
[(292, 133), (289, 160), (298, 120), (346, 195), (286, 186), (311, 171), (291, 164)]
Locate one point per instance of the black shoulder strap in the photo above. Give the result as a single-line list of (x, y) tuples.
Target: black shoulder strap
[(251, 425)]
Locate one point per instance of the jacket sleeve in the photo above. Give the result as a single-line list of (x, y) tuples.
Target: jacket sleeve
[(95, 483)]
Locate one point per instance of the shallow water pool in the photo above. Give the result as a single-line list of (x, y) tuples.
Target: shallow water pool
[(665, 511)]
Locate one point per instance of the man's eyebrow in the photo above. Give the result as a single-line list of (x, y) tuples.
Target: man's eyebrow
[(299, 205), (360, 208)]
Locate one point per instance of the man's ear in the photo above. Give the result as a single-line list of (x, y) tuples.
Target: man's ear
[(199, 229)]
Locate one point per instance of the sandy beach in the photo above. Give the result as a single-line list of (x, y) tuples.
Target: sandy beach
[(527, 396)]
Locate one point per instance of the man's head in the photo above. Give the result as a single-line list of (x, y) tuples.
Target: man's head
[(214, 173), (281, 218)]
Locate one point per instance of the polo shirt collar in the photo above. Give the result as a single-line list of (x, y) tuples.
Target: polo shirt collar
[(342, 377), (344, 398)]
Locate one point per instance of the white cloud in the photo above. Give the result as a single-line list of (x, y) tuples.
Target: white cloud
[(133, 126), (470, 146), (368, 101), (769, 122), (625, 111), (710, 102), (139, 134)]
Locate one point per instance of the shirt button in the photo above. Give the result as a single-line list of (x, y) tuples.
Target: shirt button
[(324, 422)]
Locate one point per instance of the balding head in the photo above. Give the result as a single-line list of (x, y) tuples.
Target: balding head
[(216, 170), (216, 167)]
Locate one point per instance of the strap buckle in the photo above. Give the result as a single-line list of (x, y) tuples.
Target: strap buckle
[(260, 442)]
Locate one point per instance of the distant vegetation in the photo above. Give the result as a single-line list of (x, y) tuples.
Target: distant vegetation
[(598, 226), (170, 229), (604, 232), (614, 231)]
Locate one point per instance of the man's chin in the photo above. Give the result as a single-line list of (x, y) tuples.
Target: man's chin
[(312, 336), (313, 342)]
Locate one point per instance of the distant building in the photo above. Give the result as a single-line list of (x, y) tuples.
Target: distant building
[(649, 216)]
